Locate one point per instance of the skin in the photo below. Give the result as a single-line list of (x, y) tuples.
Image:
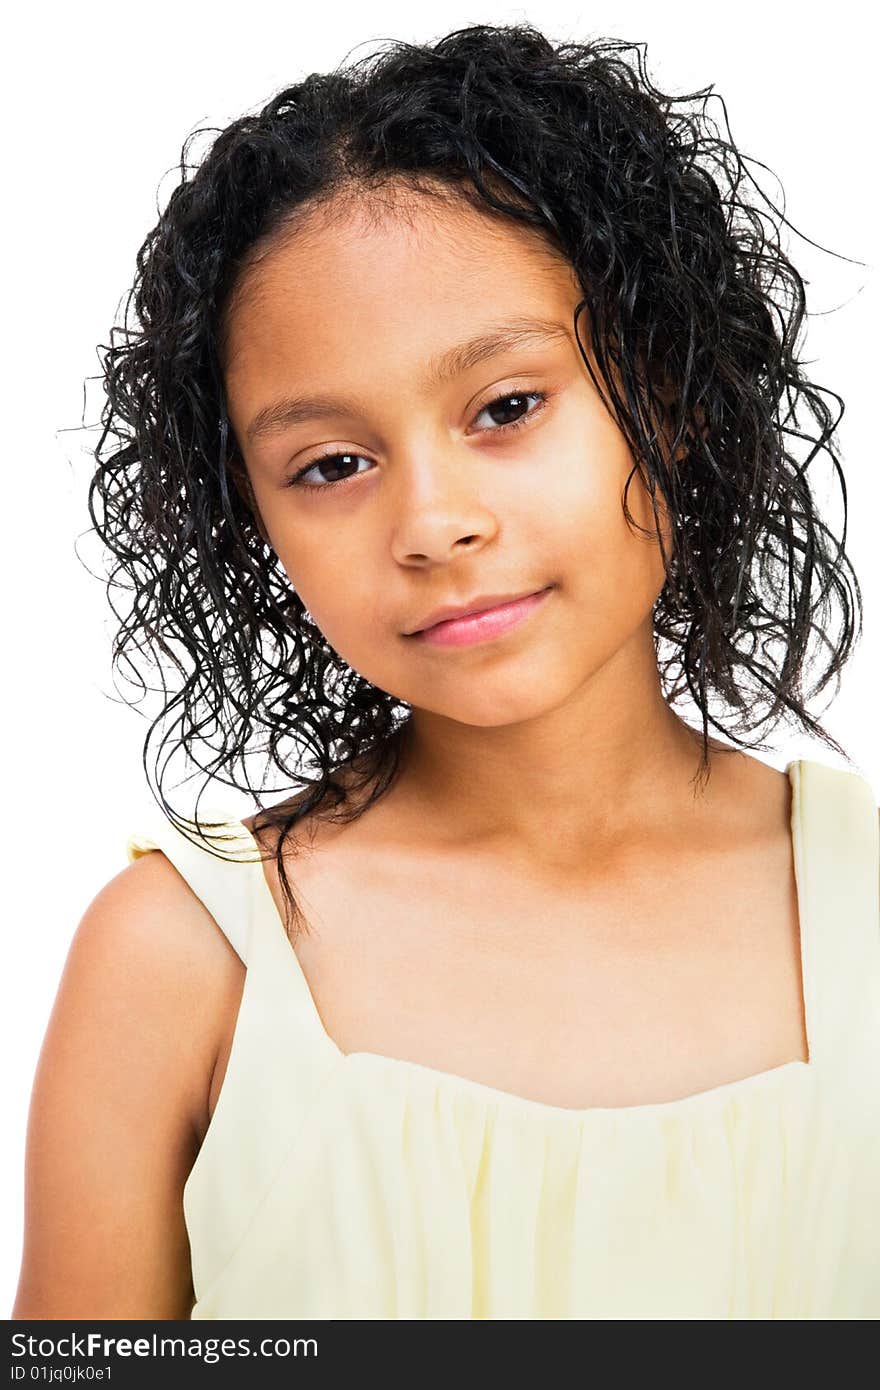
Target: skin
[(544, 856), (563, 721), (546, 833)]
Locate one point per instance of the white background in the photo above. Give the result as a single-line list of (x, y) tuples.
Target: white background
[(98, 99)]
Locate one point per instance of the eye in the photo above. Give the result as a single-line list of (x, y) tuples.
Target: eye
[(517, 397), (331, 462), (510, 401)]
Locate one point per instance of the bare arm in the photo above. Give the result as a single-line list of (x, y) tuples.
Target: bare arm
[(119, 1102)]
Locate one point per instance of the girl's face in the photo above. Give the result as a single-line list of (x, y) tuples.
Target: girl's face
[(412, 441)]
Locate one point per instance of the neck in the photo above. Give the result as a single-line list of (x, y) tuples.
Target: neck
[(612, 762)]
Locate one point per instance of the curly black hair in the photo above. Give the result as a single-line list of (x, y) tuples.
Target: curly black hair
[(693, 312)]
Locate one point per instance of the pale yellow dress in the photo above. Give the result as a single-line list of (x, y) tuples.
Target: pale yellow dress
[(361, 1186)]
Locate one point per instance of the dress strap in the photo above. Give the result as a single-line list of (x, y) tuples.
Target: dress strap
[(215, 876), (279, 1059), (233, 886), (836, 845)]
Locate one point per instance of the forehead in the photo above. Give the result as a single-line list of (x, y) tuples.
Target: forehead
[(414, 269)]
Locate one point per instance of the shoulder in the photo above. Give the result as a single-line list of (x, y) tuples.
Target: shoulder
[(146, 915), (119, 1101), (152, 977), (148, 941)]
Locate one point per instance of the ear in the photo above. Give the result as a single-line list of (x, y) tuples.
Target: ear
[(238, 474)]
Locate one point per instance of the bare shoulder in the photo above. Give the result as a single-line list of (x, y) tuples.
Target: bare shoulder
[(749, 800), (119, 1101)]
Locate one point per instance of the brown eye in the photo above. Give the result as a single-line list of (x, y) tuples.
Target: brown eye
[(328, 463), (514, 403)]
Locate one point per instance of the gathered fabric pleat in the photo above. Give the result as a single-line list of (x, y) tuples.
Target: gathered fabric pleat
[(405, 1197)]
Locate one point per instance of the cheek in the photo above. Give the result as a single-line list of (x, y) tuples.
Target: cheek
[(603, 557), (333, 583), (581, 515)]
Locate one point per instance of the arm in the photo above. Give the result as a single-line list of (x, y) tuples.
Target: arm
[(119, 1104)]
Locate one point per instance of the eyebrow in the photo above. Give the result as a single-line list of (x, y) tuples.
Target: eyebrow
[(282, 414)]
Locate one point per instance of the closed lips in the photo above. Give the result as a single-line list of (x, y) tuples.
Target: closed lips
[(481, 605)]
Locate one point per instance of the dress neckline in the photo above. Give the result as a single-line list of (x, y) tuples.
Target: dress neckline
[(498, 1096)]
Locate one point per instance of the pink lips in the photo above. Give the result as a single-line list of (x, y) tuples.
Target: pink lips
[(479, 627)]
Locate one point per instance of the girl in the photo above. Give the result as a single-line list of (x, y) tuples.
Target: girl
[(452, 443)]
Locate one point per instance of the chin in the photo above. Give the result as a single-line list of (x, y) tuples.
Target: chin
[(493, 710)]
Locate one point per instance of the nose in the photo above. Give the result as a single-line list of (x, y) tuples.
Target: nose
[(438, 508)]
